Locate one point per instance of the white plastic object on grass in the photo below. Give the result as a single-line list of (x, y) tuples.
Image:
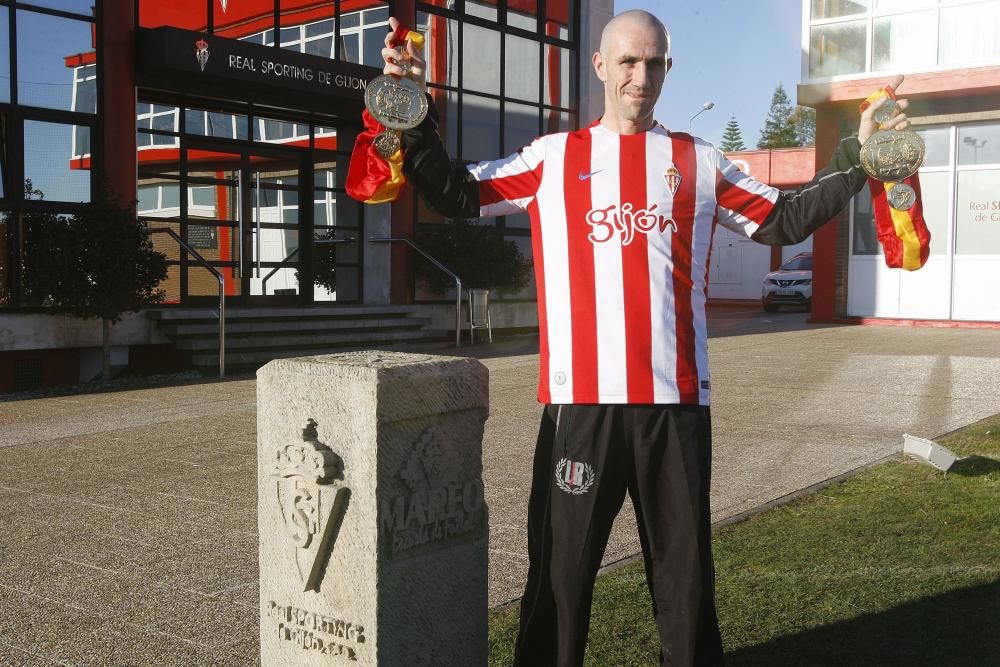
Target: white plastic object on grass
[(929, 452)]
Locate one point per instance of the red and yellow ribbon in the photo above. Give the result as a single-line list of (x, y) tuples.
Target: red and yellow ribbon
[(904, 236), (371, 178)]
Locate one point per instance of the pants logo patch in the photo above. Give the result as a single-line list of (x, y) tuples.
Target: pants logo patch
[(574, 477)]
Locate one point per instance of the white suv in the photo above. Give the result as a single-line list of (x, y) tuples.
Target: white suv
[(790, 285)]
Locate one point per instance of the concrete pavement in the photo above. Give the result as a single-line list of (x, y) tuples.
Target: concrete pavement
[(130, 518)]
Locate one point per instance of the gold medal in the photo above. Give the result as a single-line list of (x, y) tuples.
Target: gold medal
[(901, 196), (892, 156), (387, 143), (403, 60), (398, 104), (886, 112)]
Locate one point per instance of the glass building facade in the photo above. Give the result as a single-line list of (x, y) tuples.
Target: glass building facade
[(240, 157), (49, 118), (850, 37), (500, 75), (949, 52)]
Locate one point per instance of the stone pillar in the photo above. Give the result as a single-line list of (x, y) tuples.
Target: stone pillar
[(373, 525)]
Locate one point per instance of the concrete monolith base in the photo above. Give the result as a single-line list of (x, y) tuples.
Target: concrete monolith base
[(373, 526)]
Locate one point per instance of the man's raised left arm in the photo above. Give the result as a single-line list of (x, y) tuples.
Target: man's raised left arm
[(772, 217)]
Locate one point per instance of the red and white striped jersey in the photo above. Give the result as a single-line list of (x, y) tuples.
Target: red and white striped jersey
[(622, 230)]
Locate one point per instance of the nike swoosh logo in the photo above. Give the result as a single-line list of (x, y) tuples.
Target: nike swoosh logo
[(582, 176)]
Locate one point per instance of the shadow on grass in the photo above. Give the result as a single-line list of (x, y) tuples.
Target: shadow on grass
[(958, 629), (975, 466)]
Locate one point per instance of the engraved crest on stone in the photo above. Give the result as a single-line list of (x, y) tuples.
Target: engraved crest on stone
[(313, 499), (427, 466), (441, 501)]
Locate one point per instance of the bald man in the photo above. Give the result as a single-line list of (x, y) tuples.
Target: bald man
[(622, 217)]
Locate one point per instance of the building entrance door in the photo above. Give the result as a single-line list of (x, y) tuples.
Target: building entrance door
[(241, 210)]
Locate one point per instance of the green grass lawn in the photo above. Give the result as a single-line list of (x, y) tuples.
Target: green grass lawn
[(899, 565)]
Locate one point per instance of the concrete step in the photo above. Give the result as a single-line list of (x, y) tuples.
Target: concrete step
[(256, 335), (297, 339), (187, 328), (174, 314), (254, 358)]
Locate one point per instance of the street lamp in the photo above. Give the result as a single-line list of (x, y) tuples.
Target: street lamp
[(975, 145), (704, 107)]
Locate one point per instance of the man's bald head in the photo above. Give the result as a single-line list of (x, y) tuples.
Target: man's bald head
[(631, 19), (633, 62)]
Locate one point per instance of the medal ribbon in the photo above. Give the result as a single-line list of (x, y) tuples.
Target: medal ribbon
[(371, 178), (904, 235)]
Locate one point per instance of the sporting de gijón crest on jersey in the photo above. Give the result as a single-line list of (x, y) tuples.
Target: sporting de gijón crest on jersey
[(621, 230)]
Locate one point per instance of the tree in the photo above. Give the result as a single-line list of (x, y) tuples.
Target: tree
[(325, 262), (97, 263), (803, 121), (478, 254), (732, 139), (777, 131)]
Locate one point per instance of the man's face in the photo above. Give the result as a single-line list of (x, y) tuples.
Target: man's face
[(632, 69)]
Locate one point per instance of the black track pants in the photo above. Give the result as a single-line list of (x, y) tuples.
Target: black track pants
[(586, 458)]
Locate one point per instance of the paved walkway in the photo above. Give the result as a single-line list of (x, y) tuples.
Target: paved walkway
[(130, 518)]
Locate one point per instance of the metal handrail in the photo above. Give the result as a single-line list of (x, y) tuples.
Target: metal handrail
[(458, 281), (263, 284), (222, 292)]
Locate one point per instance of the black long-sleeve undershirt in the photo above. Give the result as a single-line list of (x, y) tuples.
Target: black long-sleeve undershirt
[(449, 188)]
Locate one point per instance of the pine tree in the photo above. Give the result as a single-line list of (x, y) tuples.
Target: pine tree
[(732, 139), (778, 132), (803, 120)]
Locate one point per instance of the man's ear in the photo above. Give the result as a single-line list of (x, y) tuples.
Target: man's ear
[(598, 61), (670, 63)]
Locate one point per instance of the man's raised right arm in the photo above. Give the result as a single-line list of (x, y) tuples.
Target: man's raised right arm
[(447, 187), (497, 187)]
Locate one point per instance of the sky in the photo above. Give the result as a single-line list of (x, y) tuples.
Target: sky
[(731, 52)]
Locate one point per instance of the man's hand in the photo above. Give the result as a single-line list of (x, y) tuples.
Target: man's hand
[(393, 56), (898, 122)]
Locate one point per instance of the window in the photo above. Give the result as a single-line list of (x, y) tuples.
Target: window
[(799, 263), (979, 144), (481, 59), (828, 9), (521, 68), (849, 37), (85, 89), (838, 48), (863, 215), (970, 34), (50, 163), (49, 73), (480, 128), (5, 255), (47, 47), (4, 55), (901, 41), (977, 230), (499, 75), (85, 7), (362, 36), (938, 143), (280, 131), (934, 198), (215, 124)]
